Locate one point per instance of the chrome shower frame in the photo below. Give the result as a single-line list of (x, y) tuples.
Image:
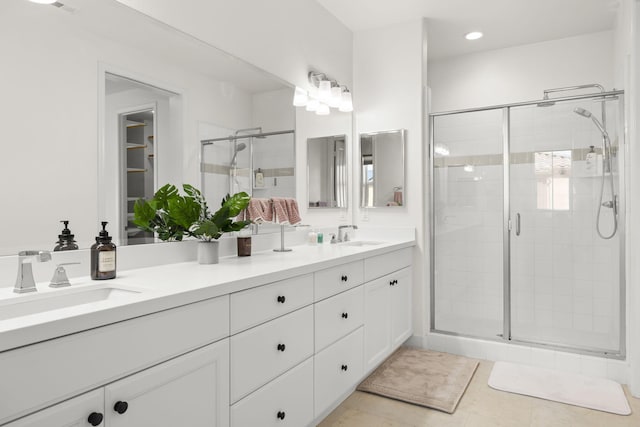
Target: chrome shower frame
[(505, 337)]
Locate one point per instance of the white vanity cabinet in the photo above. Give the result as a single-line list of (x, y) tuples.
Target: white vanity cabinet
[(278, 354)]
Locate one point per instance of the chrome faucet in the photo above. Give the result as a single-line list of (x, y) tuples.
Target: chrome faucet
[(343, 235), (25, 282)]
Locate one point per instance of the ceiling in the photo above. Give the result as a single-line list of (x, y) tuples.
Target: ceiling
[(504, 23)]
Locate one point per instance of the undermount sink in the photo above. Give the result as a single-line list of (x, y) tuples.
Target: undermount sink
[(362, 243), (28, 304)]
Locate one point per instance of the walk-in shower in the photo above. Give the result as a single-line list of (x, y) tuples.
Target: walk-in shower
[(527, 229)]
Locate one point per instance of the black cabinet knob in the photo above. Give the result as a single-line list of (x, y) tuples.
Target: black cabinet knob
[(344, 367), (345, 315), (395, 282), (281, 299), (95, 418), (281, 347), (121, 407), (344, 278), (281, 415)]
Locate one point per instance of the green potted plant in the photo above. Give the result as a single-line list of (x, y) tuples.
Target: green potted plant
[(172, 216)]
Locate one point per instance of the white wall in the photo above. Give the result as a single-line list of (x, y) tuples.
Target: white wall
[(388, 94), (520, 73), (283, 37)]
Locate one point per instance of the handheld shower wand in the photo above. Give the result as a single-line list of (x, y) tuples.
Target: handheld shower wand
[(606, 166)]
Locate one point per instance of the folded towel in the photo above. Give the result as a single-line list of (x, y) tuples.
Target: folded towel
[(285, 211), (258, 211)]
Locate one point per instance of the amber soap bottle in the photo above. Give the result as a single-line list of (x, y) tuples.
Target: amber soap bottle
[(103, 256)]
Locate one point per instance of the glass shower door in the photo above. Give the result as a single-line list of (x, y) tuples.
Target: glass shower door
[(467, 220), (565, 278)]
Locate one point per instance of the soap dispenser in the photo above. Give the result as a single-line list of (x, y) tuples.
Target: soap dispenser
[(103, 256), (65, 239)]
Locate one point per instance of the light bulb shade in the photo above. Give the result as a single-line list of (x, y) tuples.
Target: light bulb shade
[(346, 105), (323, 109), (312, 105), (336, 97), (300, 97), (324, 91)]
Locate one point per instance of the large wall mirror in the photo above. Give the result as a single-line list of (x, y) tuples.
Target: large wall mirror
[(382, 175), (69, 106), (327, 172)]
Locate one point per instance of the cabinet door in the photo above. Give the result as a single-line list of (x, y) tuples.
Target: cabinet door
[(401, 322), (190, 390), (336, 370), (74, 412), (377, 322)]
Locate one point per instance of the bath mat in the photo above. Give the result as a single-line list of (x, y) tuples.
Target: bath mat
[(426, 378), (579, 390)]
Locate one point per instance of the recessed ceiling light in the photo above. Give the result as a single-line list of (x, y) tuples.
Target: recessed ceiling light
[(43, 1), (474, 35)]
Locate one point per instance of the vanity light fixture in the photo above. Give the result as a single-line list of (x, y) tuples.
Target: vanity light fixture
[(323, 109), (473, 35), (323, 94), (300, 98)]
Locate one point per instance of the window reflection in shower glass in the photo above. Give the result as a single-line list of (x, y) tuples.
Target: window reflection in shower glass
[(553, 179)]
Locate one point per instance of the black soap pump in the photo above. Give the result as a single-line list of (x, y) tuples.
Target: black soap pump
[(65, 239), (103, 256)]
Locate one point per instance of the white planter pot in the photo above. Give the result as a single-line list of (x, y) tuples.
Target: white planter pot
[(208, 252)]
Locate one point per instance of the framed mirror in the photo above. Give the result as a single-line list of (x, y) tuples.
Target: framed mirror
[(327, 173), (382, 174), (65, 154)]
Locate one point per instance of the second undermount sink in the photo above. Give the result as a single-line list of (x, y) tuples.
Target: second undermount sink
[(28, 304), (363, 243)]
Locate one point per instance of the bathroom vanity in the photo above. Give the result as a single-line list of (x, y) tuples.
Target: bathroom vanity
[(272, 339)]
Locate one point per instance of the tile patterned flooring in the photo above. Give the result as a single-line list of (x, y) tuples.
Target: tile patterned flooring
[(480, 406)]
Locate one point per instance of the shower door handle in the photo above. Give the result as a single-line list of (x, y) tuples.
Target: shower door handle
[(517, 224)]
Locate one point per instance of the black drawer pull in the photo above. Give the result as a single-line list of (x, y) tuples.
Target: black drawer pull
[(281, 299), (95, 418), (345, 315), (395, 282), (121, 407), (281, 347), (281, 415), (344, 367), (344, 278)]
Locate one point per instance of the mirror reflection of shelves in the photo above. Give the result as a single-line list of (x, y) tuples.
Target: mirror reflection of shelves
[(139, 140)]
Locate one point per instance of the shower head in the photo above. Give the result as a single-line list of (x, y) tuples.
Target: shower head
[(239, 147), (582, 112)]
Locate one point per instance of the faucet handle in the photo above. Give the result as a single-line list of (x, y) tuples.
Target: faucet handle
[(60, 279)]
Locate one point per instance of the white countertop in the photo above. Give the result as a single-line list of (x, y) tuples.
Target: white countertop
[(172, 285)]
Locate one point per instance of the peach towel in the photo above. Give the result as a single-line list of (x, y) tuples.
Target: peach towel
[(258, 211), (285, 210)]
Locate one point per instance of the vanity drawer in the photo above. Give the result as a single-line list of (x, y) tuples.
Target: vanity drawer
[(337, 369), (266, 351), (335, 317), (46, 373), (286, 401), (337, 279), (254, 306), (380, 265)]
